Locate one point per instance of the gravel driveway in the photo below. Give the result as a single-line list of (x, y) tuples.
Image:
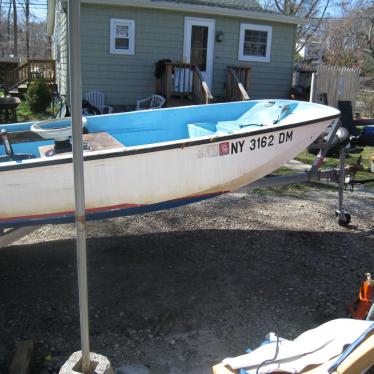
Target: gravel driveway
[(178, 291)]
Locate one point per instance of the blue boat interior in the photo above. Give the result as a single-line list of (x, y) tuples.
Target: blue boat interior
[(165, 125)]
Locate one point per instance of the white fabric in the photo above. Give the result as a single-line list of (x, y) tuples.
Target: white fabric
[(313, 347)]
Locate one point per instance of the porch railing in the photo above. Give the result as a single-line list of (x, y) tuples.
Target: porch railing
[(200, 90), (30, 71), (237, 83), (183, 80)]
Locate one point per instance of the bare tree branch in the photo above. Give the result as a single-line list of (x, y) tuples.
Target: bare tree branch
[(15, 29)]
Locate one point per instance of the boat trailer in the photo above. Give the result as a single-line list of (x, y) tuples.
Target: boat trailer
[(335, 175)]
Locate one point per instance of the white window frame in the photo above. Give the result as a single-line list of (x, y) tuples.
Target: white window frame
[(122, 22), (249, 26)]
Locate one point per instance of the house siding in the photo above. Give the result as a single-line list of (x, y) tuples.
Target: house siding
[(267, 79), (60, 49), (125, 78), (159, 35)]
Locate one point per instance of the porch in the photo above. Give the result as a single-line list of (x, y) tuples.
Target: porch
[(184, 84), (17, 80)]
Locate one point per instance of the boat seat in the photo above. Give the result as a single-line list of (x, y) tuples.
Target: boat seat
[(196, 130)]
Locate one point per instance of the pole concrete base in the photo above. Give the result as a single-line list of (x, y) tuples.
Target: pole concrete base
[(99, 364)]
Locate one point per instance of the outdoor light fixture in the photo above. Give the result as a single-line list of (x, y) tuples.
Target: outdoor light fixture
[(219, 36)]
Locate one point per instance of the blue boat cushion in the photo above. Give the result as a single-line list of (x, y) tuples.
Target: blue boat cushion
[(267, 113)]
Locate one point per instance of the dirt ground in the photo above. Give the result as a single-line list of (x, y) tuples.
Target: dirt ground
[(177, 291)]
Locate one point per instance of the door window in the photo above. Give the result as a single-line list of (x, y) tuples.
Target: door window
[(199, 46)]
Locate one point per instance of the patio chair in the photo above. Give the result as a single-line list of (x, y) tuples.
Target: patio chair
[(96, 99), (151, 102)]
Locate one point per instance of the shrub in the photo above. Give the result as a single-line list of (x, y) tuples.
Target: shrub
[(365, 104), (39, 96)]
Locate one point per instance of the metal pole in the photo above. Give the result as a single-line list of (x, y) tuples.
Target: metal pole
[(76, 115), (312, 87), (341, 178)]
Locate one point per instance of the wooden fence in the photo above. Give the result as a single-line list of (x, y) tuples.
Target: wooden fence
[(335, 84)]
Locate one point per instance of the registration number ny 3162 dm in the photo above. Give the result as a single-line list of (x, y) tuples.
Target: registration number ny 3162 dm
[(270, 140)]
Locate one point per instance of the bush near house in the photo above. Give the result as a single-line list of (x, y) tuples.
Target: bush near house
[(39, 96)]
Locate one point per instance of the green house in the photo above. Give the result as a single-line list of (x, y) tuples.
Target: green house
[(123, 40)]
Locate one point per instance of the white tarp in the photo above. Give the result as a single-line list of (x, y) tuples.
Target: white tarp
[(313, 347)]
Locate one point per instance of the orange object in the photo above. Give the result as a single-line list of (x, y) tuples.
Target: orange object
[(361, 306)]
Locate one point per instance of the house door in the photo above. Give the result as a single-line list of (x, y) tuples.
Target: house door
[(199, 45)]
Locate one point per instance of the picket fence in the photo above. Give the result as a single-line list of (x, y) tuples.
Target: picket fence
[(335, 84)]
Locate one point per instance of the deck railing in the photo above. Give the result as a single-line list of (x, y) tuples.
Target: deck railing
[(30, 71), (237, 83), (200, 90), (184, 80)]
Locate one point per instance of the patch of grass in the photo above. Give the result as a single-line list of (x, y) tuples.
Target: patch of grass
[(24, 113), (297, 189), (284, 171), (366, 153), (366, 165), (330, 162), (307, 158), (365, 175)]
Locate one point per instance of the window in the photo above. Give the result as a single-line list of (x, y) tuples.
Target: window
[(199, 45), (254, 42), (122, 36)]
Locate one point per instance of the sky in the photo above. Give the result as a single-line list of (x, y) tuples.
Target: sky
[(38, 8)]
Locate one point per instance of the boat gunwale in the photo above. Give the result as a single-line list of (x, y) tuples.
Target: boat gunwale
[(155, 147)]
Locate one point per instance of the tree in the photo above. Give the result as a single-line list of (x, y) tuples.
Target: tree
[(2, 40), (312, 10), (27, 15), (348, 39), (22, 33), (15, 30), (363, 25)]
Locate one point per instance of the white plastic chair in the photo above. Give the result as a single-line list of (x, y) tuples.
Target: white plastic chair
[(155, 102), (96, 98)]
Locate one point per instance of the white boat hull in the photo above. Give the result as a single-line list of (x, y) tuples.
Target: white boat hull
[(150, 179)]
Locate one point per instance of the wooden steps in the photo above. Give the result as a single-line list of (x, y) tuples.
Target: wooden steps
[(17, 80)]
